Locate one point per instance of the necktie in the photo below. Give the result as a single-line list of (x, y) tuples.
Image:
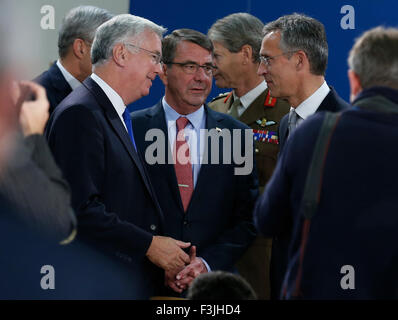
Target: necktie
[(127, 121), (233, 111), (183, 167), (292, 122)]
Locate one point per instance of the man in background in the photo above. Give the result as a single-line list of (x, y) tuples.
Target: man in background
[(237, 41), (73, 66)]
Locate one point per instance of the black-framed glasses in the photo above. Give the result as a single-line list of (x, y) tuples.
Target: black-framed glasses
[(192, 67), (156, 57), (267, 60)]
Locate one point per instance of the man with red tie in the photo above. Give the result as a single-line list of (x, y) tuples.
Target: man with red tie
[(204, 202)]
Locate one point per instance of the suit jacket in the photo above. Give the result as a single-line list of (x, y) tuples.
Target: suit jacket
[(33, 183), (280, 245), (219, 217), (116, 207), (332, 102), (355, 223), (57, 88)]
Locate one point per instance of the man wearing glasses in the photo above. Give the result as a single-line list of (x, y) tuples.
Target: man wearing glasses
[(294, 53), (204, 203), (90, 134)]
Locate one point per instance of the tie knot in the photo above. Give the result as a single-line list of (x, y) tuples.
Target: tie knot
[(182, 123)]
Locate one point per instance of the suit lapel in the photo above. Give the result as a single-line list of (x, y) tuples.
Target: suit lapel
[(59, 82), (115, 122)]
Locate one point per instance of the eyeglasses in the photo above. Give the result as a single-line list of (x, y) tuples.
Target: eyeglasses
[(156, 57), (192, 68), (267, 60)]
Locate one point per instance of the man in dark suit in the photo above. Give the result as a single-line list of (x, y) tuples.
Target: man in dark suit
[(294, 54), (206, 204), (237, 41), (74, 45), (348, 249), (91, 137)]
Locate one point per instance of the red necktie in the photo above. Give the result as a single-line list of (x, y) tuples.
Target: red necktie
[(183, 165)]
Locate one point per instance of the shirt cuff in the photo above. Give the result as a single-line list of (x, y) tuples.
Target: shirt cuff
[(206, 265)]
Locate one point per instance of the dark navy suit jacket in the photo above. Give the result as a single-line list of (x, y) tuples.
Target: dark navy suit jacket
[(332, 102), (356, 221), (57, 88), (219, 217), (114, 200), (280, 244)]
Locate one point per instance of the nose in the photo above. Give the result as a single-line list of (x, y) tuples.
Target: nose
[(159, 68), (262, 69)]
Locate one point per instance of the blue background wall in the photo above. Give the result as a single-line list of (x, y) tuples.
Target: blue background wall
[(200, 15)]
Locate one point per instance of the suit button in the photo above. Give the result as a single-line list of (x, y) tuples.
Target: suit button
[(185, 223), (153, 227), (256, 150)]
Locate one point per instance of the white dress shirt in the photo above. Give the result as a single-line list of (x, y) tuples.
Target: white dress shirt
[(71, 80), (113, 96), (309, 106)]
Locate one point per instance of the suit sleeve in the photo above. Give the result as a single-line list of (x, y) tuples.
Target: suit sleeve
[(223, 253), (77, 141), (33, 183)]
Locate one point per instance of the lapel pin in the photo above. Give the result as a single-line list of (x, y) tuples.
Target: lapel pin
[(218, 129)]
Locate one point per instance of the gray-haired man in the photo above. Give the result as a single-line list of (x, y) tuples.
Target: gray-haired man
[(91, 136), (74, 45)]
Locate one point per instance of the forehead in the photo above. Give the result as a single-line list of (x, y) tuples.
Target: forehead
[(189, 51), (270, 43), (219, 48), (150, 41)]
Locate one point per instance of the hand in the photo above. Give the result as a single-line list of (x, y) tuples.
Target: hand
[(170, 276), (33, 114), (167, 254), (191, 271)]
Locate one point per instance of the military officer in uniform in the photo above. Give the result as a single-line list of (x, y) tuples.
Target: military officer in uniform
[(237, 42)]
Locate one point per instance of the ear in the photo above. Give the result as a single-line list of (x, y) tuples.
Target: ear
[(79, 48), (119, 54), (355, 84), (301, 60), (163, 75), (247, 53)]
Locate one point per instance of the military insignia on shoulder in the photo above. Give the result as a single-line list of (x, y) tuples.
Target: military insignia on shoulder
[(221, 95)]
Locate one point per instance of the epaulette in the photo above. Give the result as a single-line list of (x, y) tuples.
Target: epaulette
[(221, 95)]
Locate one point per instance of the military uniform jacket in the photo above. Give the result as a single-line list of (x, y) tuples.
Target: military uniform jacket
[(263, 116)]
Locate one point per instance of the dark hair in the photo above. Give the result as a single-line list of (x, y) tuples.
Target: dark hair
[(300, 32), (220, 285), (170, 42)]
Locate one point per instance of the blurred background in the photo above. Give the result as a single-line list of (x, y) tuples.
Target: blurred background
[(34, 48)]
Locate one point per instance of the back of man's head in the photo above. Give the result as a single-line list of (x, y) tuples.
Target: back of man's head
[(374, 58), (120, 29), (171, 41), (220, 285), (300, 32), (236, 30), (80, 23)]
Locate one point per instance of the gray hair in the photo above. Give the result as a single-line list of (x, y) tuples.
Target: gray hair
[(374, 58), (300, 32), (118, 30), (80, 23), (236, 30), (170, 42)]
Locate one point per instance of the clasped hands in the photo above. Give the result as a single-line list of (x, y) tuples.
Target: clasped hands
[(180, 268)]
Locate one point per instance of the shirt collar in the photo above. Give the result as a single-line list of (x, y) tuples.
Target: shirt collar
[(112, 95), (72, 81), (309, 106), (247, 99), (195, 118)]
